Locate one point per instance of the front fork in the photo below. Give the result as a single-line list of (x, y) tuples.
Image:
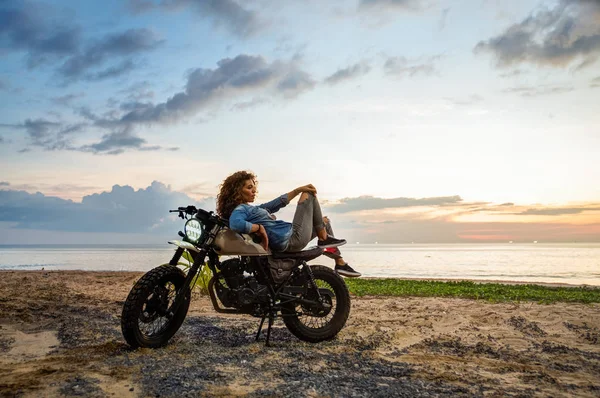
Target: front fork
[(187, 285)]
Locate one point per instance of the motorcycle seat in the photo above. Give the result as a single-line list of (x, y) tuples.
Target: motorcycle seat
[(303, 255)]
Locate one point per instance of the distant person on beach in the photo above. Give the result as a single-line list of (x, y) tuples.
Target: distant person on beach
[(233, 203)]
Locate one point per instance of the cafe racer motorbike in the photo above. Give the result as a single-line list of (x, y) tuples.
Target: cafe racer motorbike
[(312, 300)]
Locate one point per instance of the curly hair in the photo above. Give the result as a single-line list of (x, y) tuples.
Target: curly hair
[(230, 192)]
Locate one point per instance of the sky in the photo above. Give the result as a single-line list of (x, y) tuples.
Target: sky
[(417, 120)]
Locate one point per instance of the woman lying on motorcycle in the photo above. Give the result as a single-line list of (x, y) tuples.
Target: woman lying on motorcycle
[(233, 203)]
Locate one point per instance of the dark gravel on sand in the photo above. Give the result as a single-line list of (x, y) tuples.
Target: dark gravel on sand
[(214, 355)]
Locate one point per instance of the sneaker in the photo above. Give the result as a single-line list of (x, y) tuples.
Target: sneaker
[(347, 270), (331, 242)]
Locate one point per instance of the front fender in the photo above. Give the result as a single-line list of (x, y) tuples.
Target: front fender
[(184, 245)]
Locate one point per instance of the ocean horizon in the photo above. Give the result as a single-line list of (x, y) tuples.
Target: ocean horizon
[(565, 263)]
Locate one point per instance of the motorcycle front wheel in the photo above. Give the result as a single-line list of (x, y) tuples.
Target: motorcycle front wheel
[(144, 320), (320, 323)]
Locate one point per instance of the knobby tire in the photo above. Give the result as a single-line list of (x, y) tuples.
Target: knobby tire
[(138, 297)]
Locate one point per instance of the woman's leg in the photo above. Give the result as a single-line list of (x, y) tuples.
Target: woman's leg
[(333, 252), (308, 220)]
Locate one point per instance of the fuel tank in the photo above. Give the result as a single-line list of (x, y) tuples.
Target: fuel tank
[(230, 243)]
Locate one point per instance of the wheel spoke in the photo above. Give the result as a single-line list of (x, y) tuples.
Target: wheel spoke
[(314, 321), (153, 319)]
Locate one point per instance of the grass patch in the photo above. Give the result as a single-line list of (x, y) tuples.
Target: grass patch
[(493, 292)]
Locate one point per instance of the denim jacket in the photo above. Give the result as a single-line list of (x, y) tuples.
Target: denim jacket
[(278, 231)]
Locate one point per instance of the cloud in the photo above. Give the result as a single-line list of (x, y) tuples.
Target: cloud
[(351, 72), (295, 83), (132, 41), (1, 139), (54, 136), (402, 66), (244, 105), (138, 91), (48, 134), (228, 14), (443, 19), (113, 71), (38, 30), (554, 37), (535, 91), (3, 86), (233, 77), (513, 73), (470, 100), (389, 5), (556, 211), (24, 27), (372, 203), (66, 100), (595, 82), (123, 209), (4, 184), (118, 142)]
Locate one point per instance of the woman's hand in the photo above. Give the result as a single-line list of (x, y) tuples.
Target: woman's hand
[(309, 188), (264, 237)]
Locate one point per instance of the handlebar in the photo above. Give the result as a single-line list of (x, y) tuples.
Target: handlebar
[(187, 210), (200, 213)]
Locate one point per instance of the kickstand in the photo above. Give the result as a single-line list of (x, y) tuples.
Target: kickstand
[(262, 321), (269, 330)]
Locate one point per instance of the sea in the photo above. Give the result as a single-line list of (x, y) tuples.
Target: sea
[(565, 263)]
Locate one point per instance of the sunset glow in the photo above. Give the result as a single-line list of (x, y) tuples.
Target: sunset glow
[(416, 121)]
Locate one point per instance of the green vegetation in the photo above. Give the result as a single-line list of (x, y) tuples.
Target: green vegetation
[(493, 292), (200, 283)]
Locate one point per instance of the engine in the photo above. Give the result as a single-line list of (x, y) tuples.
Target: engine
[(242, 290)]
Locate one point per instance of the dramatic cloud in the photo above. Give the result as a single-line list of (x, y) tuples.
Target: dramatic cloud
[(234, 77), (373, 203), (402, 66), (123, 209), (226, 13), (24, 27), (116, 143), (348, 73), (130, 42), (535, 91), (47, 134), (567, 33), (54, 136)]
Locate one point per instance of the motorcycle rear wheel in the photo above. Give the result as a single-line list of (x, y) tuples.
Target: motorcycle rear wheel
[(315, 325), (143, 321)]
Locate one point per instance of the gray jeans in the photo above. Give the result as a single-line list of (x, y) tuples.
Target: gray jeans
[(308, 219)]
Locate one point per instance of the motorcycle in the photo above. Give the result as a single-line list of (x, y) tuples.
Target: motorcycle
[(313, 301)]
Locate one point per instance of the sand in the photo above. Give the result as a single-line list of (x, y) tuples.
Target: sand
[(60, 336)]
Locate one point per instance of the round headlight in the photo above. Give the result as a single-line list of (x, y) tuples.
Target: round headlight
[(193, 230)]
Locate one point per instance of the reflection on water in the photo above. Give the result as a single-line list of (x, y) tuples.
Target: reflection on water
[(564, 263)]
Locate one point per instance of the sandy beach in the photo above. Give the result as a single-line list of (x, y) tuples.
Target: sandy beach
[(60, 336)]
